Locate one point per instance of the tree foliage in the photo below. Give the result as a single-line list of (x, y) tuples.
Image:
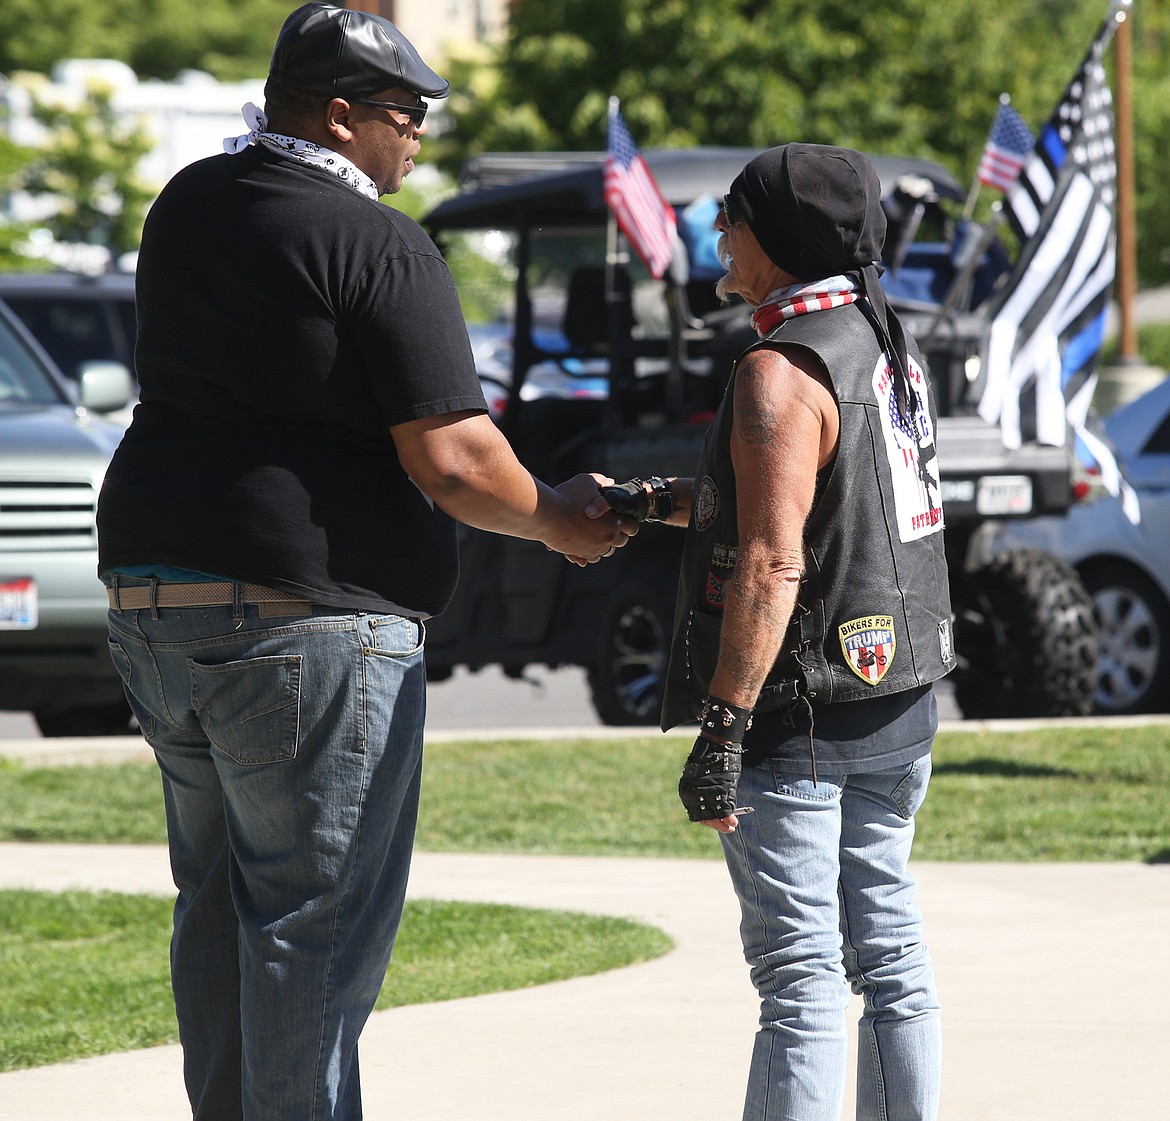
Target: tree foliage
[(231, 39), (908, 77), (87, 167), (912, 77)]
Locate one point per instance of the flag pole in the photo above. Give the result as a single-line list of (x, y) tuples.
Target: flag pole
[(1126, 224), (611, 228)]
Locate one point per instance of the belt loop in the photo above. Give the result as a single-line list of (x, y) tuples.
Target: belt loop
[(237, 601), (154, 598), (117, 590)]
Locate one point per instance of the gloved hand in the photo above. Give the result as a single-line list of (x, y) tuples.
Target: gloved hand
[(710, 779), (710, 776), (649, 501)]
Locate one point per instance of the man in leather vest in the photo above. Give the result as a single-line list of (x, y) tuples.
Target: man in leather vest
[(813, 616)]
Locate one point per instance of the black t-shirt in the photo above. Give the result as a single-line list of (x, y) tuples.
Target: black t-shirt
[(848, 736), (286, 321)]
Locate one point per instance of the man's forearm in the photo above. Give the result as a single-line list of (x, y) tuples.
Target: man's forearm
[(463, 463), (758, 607)]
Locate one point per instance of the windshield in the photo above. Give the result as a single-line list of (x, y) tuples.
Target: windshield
[(23, 379), (566, 285)]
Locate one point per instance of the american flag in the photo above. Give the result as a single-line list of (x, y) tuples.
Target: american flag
[(644, 216), (1008, 145), (1048, 320)]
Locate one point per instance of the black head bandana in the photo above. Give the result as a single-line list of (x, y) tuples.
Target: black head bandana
[(816, 211)]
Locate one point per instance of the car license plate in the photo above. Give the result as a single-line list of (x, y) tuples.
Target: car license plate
[(1004, 494), (18, 604)]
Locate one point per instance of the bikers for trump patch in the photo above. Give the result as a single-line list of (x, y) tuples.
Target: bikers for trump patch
[(868, 644)]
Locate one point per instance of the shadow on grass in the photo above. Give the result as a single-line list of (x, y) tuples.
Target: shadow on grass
[(1002, 768)]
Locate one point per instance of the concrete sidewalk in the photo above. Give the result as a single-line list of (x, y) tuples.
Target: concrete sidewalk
[(1056, 1003)]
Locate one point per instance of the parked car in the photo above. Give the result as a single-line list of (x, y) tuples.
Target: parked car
[(54, 449), (78, 319), (1125, 567)]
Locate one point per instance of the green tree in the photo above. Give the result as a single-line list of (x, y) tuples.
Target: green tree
[(13, 157), (87, 167), (231, 39), (739, 72), (913, 77), (1151, 126)]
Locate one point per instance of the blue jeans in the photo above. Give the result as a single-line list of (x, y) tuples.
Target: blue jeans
[(825, 897), (291, 756)]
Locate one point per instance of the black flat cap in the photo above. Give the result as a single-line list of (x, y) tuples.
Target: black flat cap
[(340, 53)]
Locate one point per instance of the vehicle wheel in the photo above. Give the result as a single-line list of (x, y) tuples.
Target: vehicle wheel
[(629, 670), (1025, 639), (1133, 668), (111, 718)]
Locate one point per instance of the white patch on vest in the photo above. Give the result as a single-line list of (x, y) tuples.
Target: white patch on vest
[(910, 452), (946, 641), (706, 504)]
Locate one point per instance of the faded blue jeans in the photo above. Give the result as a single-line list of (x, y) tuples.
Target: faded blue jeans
[(825, 898), (291, 755)]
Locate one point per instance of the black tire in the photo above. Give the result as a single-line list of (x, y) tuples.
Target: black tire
[(1025, 639), (1133, 618), (111, 718), (629, 667)]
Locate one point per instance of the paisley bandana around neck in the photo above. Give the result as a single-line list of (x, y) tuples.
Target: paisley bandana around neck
[(800, 299), (304, 151)]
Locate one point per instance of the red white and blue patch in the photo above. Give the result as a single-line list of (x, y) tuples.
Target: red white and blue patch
[(868, 644)]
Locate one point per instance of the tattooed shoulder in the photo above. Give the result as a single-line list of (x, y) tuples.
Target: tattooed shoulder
[(755, 398)]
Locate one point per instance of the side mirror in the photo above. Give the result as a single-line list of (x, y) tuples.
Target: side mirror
[(105, 386)]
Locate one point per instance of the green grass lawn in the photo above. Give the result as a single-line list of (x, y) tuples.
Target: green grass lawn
[(86, 974), (1054, 794), (83, 974)]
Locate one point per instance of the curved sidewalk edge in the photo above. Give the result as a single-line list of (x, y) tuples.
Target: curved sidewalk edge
[(1055, 1008)]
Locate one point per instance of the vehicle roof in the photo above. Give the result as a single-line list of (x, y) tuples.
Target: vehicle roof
[(502, 189), (40, 282)]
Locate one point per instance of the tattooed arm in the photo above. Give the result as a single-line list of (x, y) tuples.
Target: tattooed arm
[(785, 430)]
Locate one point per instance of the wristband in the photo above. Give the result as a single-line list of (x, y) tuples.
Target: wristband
[(723, 720), (631, 499), (661, 499)]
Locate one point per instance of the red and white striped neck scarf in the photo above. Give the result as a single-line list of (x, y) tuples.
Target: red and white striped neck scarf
[(799, 299)]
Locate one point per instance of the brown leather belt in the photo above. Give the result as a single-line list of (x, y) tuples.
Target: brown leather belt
[(270, 601)]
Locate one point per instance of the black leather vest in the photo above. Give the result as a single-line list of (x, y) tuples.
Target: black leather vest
[(873, 614)]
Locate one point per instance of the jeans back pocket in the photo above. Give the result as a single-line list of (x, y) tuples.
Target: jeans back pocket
[(250, 709)]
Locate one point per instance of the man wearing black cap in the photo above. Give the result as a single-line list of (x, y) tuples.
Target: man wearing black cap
[(813, 616), (273, 531)]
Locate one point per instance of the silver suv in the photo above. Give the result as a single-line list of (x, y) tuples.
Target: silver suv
[(78, 319), (54, 448)]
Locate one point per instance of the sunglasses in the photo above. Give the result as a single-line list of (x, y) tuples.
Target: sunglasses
[(731, 213), (417, 112)]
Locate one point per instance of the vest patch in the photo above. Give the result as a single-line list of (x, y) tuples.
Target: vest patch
[(706, 503), (715, 594), (868, 644), (723, 556), (946, 641), (911, 454)]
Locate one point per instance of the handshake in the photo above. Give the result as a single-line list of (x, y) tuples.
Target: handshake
[(609, 514)]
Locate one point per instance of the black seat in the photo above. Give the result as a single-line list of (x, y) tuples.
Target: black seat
[(585, 323)]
